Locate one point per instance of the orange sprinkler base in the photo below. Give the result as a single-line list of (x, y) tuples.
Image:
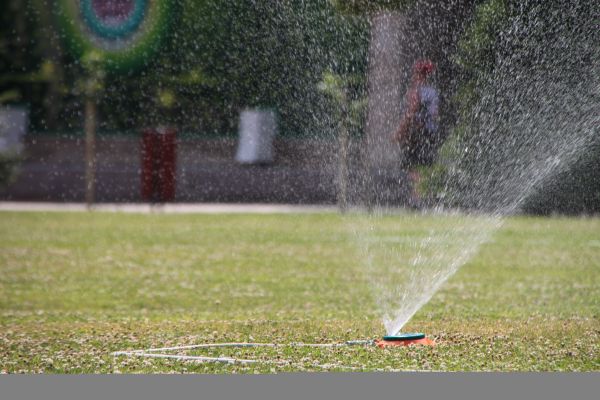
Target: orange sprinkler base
[(395, 343)]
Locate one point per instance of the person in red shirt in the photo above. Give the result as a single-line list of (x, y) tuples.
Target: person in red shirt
[(418, 131)]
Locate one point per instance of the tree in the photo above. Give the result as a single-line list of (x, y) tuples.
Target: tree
[(223, 56), (23, 72), (271, 54), (525, 100)]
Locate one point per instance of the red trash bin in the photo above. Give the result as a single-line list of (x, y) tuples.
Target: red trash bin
[(159, 164)]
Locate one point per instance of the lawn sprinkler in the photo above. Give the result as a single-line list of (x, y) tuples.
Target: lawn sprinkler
[(404, 339)]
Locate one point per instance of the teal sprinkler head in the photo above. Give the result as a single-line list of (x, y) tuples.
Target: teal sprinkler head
[(404, 339), (404, 336)]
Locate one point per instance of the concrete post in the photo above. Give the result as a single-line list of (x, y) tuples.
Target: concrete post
[(389, 60)]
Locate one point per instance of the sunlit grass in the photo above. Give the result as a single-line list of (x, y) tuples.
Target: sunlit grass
[(75, 287)]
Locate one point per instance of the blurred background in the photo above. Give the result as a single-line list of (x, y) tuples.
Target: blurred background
[(85, 86)]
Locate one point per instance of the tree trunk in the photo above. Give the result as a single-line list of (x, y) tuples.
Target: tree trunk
[(343, 144), (90, 151)]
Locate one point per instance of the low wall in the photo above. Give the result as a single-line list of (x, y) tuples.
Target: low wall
[(54, 170)]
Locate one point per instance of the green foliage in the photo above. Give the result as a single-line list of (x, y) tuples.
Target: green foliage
[(224, 56), (348, 102), (10, 96), (334, 86), (475, 57), (476, 49), (220, 57), (19, 62), (368, 6), (91, 83), (9, 168), (265, 54), (523, 68)]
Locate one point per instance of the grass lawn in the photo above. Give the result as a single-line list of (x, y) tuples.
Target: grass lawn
[(75, 287)]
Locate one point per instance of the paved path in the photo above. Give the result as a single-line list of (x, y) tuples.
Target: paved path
[(184, 208)]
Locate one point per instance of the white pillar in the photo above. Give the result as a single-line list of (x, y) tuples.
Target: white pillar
[(390, 58), (388, 74)]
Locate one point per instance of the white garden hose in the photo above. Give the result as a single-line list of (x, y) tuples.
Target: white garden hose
[(155, 352)]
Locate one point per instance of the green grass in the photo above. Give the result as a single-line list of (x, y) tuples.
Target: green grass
[(76, 287)]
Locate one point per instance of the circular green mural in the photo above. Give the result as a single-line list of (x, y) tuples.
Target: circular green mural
[(125, 32)]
